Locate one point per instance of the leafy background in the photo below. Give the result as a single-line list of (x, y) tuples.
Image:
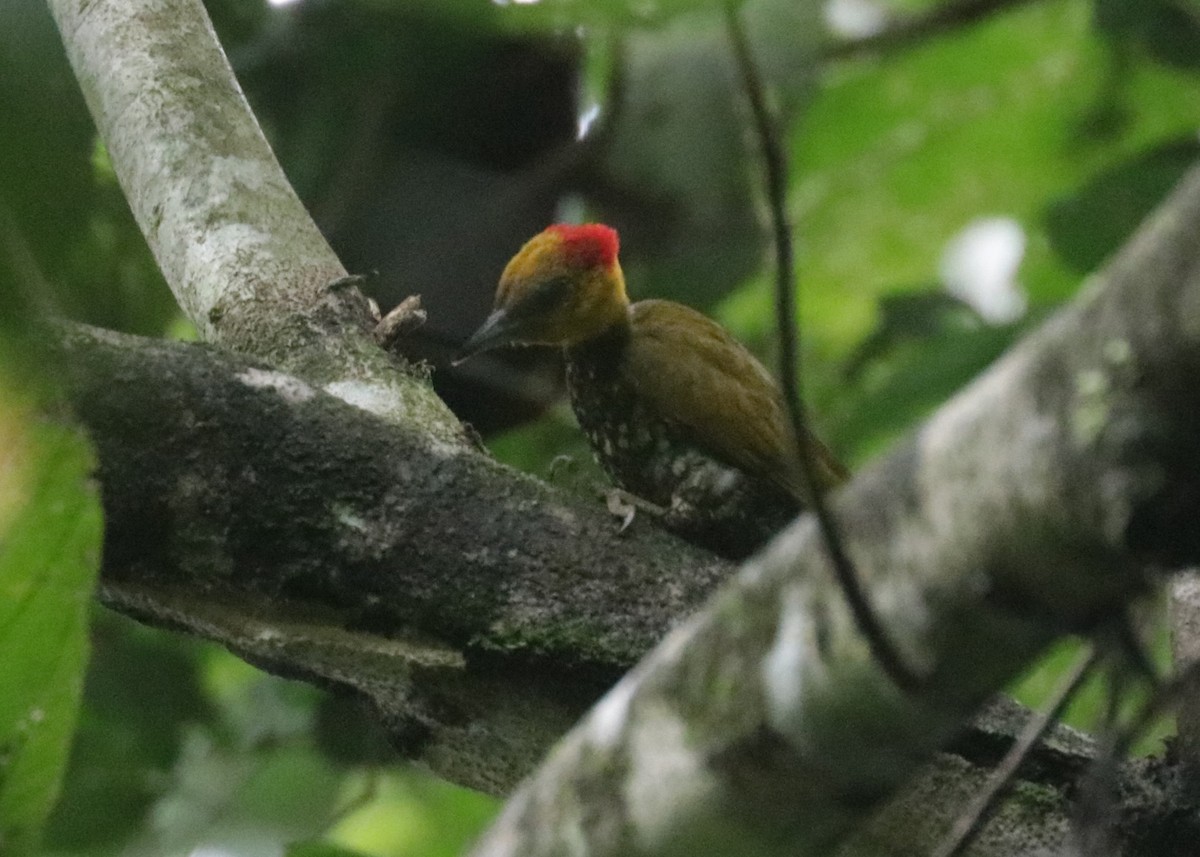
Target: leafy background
[(429, 140)]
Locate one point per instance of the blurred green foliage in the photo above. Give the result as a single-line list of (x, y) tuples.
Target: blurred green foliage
[(49, 555), (50, 534), (68, 212), (1069, 118), (183, 748)]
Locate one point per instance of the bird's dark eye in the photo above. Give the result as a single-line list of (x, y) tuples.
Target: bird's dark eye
[(543, 297)]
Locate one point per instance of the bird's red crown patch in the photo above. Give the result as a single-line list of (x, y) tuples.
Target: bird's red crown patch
[(589, 245)]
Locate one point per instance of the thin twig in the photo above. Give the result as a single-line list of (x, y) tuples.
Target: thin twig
[(401, 321), (775, 175), (910, 29), (971, 822)]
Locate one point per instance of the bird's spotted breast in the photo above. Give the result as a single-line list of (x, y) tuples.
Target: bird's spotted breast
[(630, 443), (708, 500)]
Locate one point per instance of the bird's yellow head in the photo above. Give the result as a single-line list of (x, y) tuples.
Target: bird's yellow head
[(563, 287)]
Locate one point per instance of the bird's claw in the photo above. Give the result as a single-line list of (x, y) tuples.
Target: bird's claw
[(619, 507), (623, 505)]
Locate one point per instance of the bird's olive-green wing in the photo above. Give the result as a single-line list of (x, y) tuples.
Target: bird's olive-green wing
[(695, 374)]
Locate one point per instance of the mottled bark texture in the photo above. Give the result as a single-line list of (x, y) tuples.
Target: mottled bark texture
[(252, 510), (197, 445), (243, 258), (479, 609), (1038, 500)]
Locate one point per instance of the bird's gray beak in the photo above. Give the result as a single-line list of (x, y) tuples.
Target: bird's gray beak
[(496, 330)]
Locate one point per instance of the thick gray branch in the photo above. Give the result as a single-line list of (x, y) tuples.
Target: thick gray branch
[(1028, 504), (244, 259), (247, 508), (479, 609), (217, 210)]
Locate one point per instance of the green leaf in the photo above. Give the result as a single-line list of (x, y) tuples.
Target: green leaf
[(50, 527), (319, 849), (897, 156), (414, 813), (50, 531), (1167, 30), (130, 733), (914, 378), (1088, 225)]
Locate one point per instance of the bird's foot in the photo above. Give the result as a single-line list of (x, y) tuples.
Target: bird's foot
[(681, 514), (624, 506)]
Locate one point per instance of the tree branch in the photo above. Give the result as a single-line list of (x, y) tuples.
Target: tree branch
[(317, 539), (246, 513), (1030, 503), (243, 258), (986, 801)]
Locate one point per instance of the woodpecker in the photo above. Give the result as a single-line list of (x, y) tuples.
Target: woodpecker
[(677, 411)]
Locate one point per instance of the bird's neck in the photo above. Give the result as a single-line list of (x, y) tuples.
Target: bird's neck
[(595, 375), (609, 343)]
